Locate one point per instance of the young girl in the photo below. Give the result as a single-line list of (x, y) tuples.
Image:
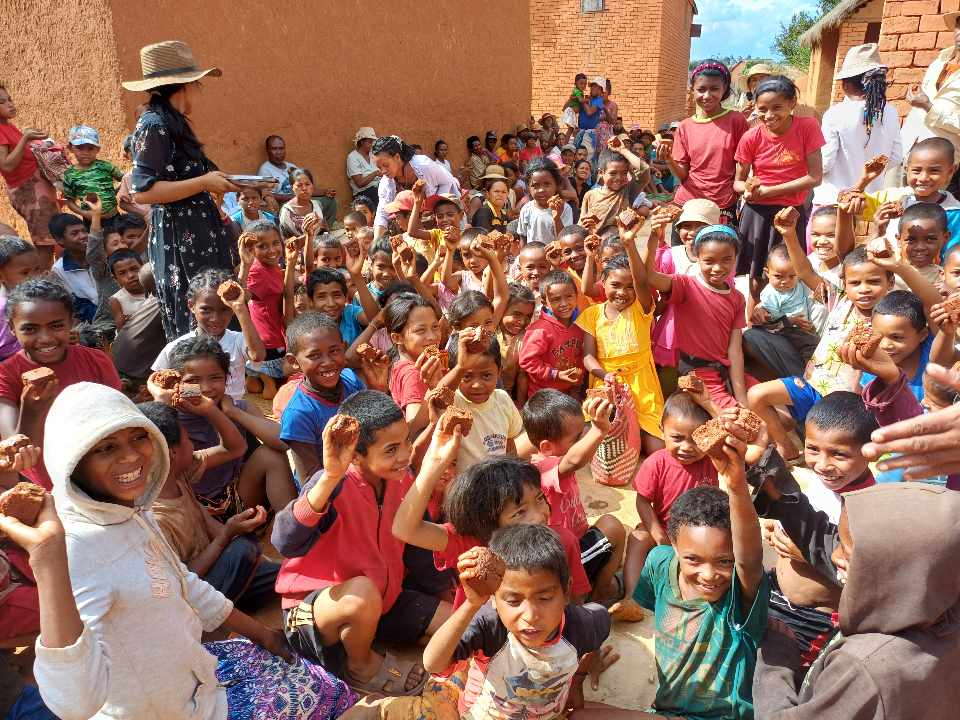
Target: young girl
[(413, 323), (118, 606), (547, 214), (263, 474), (702, 152), (212, 316), (517, 317), (40, 313), (616, 343), (271, 295), (710, 314), (301, 206), (474, 259), (783, 154)]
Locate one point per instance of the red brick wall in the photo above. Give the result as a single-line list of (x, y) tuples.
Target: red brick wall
[(912, 34), (642, 46)]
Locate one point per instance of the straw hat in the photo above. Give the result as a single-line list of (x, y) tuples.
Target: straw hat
[(860, 59), (168, 63), (494, 172), (700, 210), (364, 133), (950, 20)]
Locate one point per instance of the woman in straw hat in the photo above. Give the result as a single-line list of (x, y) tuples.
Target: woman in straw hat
[(172, 173), (492, 215), (859, 128)]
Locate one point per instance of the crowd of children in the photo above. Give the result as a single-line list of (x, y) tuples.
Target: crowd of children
[(440, 395)]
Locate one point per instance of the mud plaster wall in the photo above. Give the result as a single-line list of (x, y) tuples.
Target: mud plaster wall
[(315, 71), (57, 60)]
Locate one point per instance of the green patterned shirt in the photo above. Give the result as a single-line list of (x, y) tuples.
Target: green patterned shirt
[(98, 178)]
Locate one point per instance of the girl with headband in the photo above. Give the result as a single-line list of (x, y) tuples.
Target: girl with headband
[(701, 154)]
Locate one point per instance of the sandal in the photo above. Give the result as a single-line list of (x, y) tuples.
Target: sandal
[(391, 678)]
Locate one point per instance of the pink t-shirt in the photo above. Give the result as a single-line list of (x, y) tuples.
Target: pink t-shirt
[(406, 385), (708, 148), (265, 284), (778, 159), (662, 479), (706, 317), (563, 494), (9, 137)]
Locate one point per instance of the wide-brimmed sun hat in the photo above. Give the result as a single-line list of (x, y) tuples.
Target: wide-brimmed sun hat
[(169, 62), (364, 133), (494, 172), (859, 60)]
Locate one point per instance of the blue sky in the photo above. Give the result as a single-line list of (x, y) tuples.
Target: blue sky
[(742, 27)]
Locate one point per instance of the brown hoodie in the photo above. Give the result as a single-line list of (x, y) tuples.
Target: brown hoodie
[(898, 654)]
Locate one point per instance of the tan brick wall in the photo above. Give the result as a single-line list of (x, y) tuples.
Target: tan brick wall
[(642, 46), (911, 36)]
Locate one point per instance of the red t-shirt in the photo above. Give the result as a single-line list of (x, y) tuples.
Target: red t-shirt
[(528, 154), (10, 136), (458, 544), (662, 479), (80, 364), (705, 317), (265, 284), (708, 149), (563, 494), (778, 159), (406, 385)]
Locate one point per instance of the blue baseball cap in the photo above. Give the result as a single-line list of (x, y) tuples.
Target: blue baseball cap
[(84, 135)]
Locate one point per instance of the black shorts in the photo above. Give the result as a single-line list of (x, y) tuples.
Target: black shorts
[(595, 552), (403, 624), (811, 628)]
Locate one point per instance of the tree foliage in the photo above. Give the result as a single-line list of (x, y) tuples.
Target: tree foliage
[(787, 41)]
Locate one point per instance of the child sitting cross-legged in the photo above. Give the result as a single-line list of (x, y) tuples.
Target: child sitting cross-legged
[(709, 594), (554, 422), (223, 554), (263, 474), (341, 581)]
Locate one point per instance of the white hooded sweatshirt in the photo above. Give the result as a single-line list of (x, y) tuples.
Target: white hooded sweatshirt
[(139, 655)]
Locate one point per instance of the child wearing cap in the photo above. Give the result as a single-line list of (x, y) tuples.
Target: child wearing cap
[(89, 175)]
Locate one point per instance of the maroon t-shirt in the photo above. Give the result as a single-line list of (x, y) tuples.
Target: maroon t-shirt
[(705, 317), (708, 149), (662, 479)]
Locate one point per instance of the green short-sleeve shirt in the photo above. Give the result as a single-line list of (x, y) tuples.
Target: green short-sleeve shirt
[(99, 178), (706, 652)]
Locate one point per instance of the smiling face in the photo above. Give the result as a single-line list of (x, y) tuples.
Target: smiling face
[(42, 328), (708, 93), (479, 377), (834, 455), (533, 266), (471, 260), (616, 175), (900, 338), (446, 215), (543, 186), (382, 270), (116, 468), (330, 257), (582, 170), (688, 232), (921, 240), (781, 274), (618, 286), (823, 237), (706, 561), (531, 605), (329, 298), (928, 172), (678, 438), (388, 456), (533, 509), (206, 372), (951, 270), (422, 329), (775, 112), (19, 268), (574, 253), (211, 313), (481, 317), (716, 261), (321, 356), (561, 299), (517, 317), (865, 283)]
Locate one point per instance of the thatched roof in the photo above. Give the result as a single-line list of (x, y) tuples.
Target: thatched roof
[(831, 20)]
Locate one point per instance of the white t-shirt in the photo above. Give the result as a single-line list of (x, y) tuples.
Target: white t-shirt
[(438, 179), (281, 174), (79, 281), (357, 164), (494, 422), (536, 223), (233, 345)]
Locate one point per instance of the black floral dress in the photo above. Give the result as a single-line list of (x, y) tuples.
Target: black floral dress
[(186, 236)]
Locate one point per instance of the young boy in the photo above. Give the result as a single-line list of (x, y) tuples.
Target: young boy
[(315, 348), (341, 579), (524, 649), (72, 268), (136, 315), (89, 176), (223, 554), (923, 232), (618, 192), (552, 351), (19, 261), (532, 266), (327, 293), (251, 210), (787, 306), (900, 319), (554, 423), (709, 595)]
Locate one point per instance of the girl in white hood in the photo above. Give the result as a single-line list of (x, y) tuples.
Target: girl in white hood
[(125, 641)]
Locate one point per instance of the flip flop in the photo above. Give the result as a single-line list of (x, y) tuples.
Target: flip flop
[(390, 679)]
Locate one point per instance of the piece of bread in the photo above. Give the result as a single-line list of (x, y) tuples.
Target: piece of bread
[(553, 251), (952, 306), (750, 422), (501, 241), (441, 397), (880, 247), (591, 243), (486, 574), (166, 379), (690, 383), (670, 210), (369, 353), (709, 438), (454, 416), (229, 291), (604, 392), (876, 164), (187, 392), (9, 449), (628, 217), (442, 355), (478, 339), (486, 243), (344, 430), (591, 219), (38, 376), (397, 241), (864, 339), (23, 501)]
